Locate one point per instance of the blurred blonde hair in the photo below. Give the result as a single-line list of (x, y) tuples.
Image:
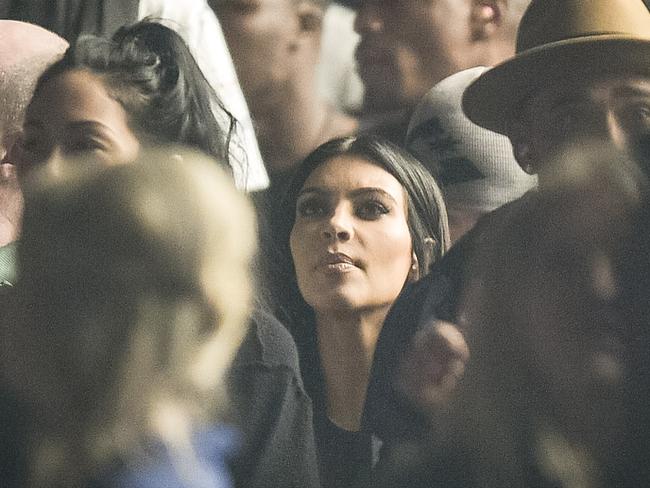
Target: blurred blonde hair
[(167, 242)]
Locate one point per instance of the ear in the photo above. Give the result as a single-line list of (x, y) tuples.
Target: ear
[(310, 16), (414, 271), (485, 19), (522, 148), (524, 156)]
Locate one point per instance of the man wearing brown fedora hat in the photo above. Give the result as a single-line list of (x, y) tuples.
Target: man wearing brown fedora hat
[(581, 72)]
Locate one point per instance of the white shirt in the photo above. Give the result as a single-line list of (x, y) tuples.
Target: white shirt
[(338, 80)]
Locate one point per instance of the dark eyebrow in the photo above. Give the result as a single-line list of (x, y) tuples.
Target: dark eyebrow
[(353, 193), (87, 124), (371, 190), (74, 125)]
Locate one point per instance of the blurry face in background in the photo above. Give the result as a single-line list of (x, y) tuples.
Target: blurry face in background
[(350, 243), (73, 115), (261, 37), (407, 46), (611, 110)]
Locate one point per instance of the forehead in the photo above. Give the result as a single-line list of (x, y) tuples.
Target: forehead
[(74, 96), (345, 173), (71, 89), (596, 90)]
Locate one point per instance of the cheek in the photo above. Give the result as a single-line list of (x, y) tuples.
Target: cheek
[(299, 243), (390, 255), (130, 148)]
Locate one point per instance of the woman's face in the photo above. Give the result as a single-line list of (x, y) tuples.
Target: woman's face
[(71, 116), (350, 242)]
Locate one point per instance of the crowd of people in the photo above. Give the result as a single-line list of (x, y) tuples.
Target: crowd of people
[(314, 244)]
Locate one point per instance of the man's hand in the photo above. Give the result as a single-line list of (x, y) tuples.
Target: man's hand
[(433, 366)]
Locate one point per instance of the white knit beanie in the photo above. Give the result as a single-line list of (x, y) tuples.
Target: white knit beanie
[(476, 167)]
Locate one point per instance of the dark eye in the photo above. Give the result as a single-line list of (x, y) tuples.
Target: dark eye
[(312, 207), (371, 209), (642, 111), (639, 115), (83, 145)]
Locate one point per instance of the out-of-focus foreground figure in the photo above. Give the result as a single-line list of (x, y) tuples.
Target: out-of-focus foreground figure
[(556, 391), (137, 284)]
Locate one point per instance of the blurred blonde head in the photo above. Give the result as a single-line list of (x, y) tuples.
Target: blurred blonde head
[(140, 283)]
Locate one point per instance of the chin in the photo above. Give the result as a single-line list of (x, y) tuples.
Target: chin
[(327, 303)]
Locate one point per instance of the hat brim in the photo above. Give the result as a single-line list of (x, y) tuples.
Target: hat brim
[(495, 96)]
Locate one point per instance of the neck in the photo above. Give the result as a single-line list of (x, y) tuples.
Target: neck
[(346, 344)]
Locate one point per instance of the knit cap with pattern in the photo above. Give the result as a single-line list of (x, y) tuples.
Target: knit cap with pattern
[(476, 167)]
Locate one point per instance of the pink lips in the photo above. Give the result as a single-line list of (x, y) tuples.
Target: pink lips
[(337, 263)]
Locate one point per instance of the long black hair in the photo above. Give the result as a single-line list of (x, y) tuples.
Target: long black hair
[(426, 219), (149, 70)]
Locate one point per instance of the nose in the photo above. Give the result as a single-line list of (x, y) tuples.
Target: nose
[(368, 19), (55, 164), (615, 132), (339, 226)]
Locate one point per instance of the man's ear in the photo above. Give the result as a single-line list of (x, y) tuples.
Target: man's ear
[(518, 131), (524, 156), (310, 16), (486, 18)]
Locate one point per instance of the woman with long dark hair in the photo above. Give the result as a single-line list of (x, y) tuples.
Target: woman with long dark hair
[(361, 219)]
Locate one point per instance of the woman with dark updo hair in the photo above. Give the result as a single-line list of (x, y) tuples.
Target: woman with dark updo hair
[(110, 97)]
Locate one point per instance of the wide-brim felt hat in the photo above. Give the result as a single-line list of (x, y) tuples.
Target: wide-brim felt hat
[(559, 41)]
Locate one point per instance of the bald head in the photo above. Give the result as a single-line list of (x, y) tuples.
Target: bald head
[(25, 51)]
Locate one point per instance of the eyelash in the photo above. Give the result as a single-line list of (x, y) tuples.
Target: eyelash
[(311, 207), (370, 209), (376, 206), (85, 145)]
